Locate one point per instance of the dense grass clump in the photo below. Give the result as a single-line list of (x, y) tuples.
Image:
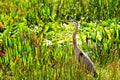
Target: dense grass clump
[(35, 44)]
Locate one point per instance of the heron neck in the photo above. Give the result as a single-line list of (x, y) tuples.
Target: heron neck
[(74, 35)]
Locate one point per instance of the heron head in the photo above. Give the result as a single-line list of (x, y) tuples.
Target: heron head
[(70, 22)]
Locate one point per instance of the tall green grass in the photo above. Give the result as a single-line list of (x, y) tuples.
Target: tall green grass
[(34, 44), (26, 58)]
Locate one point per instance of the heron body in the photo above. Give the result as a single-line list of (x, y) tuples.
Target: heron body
[(80, 56)]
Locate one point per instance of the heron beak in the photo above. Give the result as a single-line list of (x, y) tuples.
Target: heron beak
[(65, 21)]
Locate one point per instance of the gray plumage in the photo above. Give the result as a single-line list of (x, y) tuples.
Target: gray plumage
[(80, 56)]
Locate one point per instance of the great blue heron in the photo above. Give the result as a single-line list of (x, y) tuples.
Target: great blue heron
[(81, 56)]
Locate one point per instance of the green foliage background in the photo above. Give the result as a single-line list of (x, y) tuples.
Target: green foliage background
[(35, 44)]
